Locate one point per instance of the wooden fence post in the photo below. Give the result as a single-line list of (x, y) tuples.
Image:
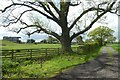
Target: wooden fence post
[(78, 49), (30, 53), (58, 51), (12, 52)]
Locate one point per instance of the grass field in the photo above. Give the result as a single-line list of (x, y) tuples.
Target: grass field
[(31, 68), (116, 47), (37, 49), (12, 45)]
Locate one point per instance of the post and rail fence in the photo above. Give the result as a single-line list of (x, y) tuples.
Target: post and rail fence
[(39, 53), (29, 53)]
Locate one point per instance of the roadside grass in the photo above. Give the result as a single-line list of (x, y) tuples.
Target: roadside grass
[(116, 47), (32, 68)]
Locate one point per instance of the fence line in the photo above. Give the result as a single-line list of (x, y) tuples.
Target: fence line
[(41, 54), (29, 52)]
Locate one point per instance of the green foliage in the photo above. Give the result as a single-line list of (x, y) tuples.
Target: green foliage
[(79, 40), (101, 35), (9, 66), (30, 41), (89, 47), (43, 41)]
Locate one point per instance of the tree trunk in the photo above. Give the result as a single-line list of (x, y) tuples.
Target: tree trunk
[(65, 36), (65, 40), (66, 45)]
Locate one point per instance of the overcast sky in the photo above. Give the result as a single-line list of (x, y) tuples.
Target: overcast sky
[(112, 21)]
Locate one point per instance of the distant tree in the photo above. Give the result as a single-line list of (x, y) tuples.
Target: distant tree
[(52, 40), (30, 41), (102, 34), (43, 41), (19, 41), (119, 42), (79, 40)]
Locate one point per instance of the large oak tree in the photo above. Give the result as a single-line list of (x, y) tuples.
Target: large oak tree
[(60, 15)]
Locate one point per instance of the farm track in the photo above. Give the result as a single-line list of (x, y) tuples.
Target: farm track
[(104, 66)]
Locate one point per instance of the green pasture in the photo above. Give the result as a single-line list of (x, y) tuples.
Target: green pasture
[(116, 47), (7, 45), (40, 49)]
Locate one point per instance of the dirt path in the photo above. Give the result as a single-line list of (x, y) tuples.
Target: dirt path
[(104, 66)]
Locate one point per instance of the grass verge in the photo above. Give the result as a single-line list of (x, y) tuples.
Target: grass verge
[(116, 47)]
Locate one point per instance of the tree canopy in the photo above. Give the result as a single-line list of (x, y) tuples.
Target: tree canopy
[(102, 34), (59, 13)]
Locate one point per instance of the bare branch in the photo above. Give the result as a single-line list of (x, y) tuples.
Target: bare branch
[(53, 5), (33, 3), (17, 19), (87, 28), (12, 1), (21, 29), (14, 4), (83, 13), (30, 33), (98, 9), (39, 29), (46, 7)]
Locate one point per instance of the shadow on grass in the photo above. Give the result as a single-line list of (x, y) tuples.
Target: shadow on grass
[(103, 66)]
